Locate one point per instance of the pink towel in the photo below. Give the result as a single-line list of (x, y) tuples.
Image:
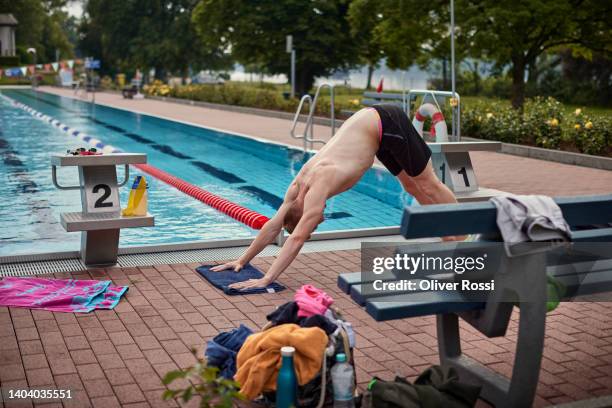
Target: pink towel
[(60, 295), (311, 301)]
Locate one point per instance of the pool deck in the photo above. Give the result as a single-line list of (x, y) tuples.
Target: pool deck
[(117, 357)]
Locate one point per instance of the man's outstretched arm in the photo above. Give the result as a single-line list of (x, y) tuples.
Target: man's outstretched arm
[(314, 204), (267, 235)]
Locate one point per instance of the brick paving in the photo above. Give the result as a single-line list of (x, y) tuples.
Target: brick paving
[(117, 358)]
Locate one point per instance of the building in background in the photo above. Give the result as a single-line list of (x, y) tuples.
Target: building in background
[(8, 23)]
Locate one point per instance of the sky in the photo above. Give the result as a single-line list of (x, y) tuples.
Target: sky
[(75, 8)]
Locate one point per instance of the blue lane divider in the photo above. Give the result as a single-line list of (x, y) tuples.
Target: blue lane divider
[(82, 136)]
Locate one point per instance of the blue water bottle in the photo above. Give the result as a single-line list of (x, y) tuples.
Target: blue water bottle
[(286, 383)]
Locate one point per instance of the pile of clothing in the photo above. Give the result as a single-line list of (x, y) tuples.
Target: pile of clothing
[(253, 359), (436, 387)]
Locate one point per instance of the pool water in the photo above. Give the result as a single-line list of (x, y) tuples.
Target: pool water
[(249, 172)]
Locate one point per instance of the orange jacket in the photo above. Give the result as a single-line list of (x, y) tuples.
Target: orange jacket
[(259, 359)]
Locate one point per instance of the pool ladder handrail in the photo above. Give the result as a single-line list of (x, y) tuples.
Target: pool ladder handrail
[(308, 135)]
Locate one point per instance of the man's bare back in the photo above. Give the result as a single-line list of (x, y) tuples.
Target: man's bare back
[(341, 162)]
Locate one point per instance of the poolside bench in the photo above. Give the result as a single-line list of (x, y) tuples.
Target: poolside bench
[(524, 276), (100, 220)]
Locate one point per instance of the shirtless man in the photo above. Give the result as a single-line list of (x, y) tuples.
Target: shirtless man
[(383, 131)]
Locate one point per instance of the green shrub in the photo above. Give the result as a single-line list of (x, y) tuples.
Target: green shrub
[(157, 88), (20, 80), (542, 123), (263, 97), (9, 62), (543, 118), (204, 382), (590, 135)]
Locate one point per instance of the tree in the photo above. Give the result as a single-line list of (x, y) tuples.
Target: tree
[(517, 32), (402, 34), (406, 32), (364, 16), (40, 26), (254, 33), (131, 34)]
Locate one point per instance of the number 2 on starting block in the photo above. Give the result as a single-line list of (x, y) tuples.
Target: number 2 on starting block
[(100, 192)]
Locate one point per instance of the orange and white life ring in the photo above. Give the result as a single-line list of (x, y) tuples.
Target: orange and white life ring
[(438, 125)]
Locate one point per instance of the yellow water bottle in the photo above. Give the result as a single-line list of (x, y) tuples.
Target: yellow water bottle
[(137, 201)]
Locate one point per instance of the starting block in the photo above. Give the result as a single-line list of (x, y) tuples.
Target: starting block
[(100, 220), (453, 166)]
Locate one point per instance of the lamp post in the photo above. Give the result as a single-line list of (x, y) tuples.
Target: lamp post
[(291, 50), (33, 52), (452, 36)]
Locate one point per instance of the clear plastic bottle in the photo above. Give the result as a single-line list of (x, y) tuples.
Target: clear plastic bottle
[(343, 381), (286, 382)]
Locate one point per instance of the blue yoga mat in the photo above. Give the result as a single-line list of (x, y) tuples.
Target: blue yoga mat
[(222, 280)]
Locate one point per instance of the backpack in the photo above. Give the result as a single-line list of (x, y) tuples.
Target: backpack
[(318, 392)]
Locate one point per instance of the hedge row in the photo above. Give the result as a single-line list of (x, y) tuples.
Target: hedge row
[(239, 95), (542, 123)]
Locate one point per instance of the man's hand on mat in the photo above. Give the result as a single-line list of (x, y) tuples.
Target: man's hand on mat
[(251, 283), (235, 265)]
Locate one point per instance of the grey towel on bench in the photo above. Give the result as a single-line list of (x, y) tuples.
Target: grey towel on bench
[(530, 218)]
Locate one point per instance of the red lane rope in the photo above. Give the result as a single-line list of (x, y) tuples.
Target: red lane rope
[(237, 212)]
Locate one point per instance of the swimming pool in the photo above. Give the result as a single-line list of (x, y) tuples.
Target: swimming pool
[(246, 171)]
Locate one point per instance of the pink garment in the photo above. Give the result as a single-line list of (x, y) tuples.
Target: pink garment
[(311, 301), (59, 295)]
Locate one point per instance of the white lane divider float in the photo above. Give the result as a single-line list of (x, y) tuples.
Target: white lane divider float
[(82, 136)]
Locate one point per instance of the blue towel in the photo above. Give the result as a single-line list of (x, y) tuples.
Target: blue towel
[(222, 280), (221, 351)]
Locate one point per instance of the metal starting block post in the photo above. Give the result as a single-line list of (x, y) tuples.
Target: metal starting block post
[(453, 166), (100, 221)]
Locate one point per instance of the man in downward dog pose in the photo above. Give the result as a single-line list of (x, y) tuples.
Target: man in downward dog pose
[(383, 131)]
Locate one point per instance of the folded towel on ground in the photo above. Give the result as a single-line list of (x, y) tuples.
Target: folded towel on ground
[(222, 280), (60, 295)]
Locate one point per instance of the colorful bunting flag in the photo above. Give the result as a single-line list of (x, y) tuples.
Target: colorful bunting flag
[(18, 71)]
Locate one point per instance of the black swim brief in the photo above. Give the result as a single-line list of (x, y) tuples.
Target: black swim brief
[(401, 146)]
